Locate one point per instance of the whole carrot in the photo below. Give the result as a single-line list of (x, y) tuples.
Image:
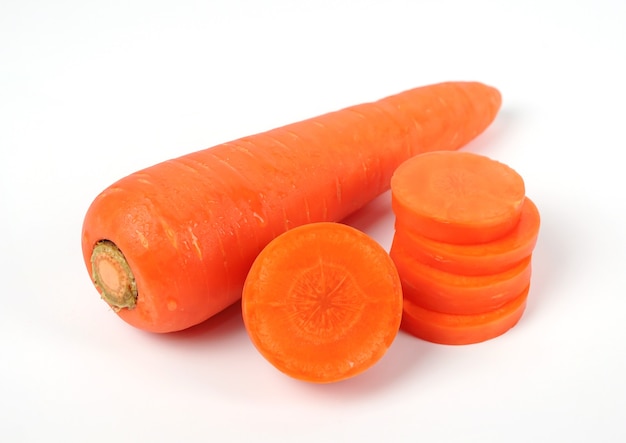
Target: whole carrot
[(169, 246)]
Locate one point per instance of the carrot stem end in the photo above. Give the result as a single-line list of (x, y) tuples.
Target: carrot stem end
[(112, 276)]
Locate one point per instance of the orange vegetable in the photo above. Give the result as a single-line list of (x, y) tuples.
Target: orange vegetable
[(322, 302), (169, 246), (451, 293), (457, 197), (465, 233), (475, 259), (454, 329)]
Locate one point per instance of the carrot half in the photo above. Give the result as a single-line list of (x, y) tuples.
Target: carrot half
[(169, 246), (480, 258), (457, 197), (322, 302), (453, 329)]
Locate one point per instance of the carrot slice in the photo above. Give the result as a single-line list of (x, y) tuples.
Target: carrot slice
[(475, 259), (451, 293), (457, 197), (451, 329), (322, 302)]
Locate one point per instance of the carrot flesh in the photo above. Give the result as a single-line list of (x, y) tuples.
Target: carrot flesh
[(480, 258), (457, 197), (322, 302), (189, 228), (453, 329)]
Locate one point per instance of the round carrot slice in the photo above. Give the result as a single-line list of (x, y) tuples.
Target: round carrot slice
[(475, 259), (457, 197), (455, 293), (451, 329), (322, 302)]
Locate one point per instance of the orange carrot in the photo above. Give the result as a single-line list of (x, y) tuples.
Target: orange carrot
[(169, 246), (451, 293), (322, 302), (461, 212), (457, 197), (475, 259), (454, 329)]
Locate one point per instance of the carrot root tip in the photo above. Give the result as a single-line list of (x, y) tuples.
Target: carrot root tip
[(112, 276)]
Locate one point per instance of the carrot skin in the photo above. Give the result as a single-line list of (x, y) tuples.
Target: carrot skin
[(191, 227)]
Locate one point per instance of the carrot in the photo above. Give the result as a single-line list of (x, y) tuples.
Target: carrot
[(457, 197), (451, 293), (454, 329), (169, 246), (322, 302), (463, 244), (475, 259)]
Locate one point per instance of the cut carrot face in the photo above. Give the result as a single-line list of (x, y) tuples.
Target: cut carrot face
[(475, 259), (451, 329), (457, 197), (322, 302), (169, 246), (451, 293)]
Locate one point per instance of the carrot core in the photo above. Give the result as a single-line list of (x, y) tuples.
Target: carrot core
[(112, 276)]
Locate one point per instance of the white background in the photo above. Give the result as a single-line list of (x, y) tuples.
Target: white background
[(92, 91)]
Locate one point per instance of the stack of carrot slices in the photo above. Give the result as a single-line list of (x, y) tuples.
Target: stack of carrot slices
[(464, 236)]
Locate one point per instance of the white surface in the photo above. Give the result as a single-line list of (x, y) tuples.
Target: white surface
[(91, 91)]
